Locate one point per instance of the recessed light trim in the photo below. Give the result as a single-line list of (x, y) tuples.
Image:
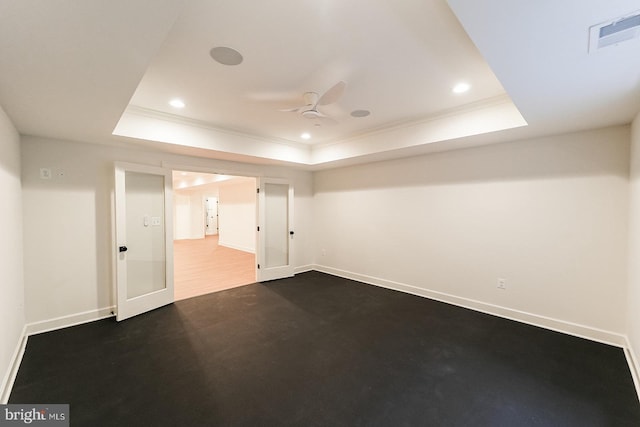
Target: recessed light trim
[(360, 113), (305, 135), (461, 87), (226, 55), (177, 103)]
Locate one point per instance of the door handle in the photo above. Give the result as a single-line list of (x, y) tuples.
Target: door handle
[(122, 249)]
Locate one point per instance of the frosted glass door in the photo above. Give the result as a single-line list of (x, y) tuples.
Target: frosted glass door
[(143, 239), (275, 235), (146, 262)]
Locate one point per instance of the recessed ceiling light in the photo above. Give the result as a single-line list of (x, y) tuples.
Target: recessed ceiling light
[(226, 55), (360, 113), (305, 135), (176, 103), (461, 88)]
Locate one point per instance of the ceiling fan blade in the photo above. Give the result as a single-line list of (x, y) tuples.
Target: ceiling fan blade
[(310, 99), (293, 110), (333, 94)]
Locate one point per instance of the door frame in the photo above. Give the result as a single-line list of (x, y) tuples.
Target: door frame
[(173, 167), (221, 171)]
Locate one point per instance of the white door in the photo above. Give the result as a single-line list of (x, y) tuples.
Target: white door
[(144, 239), (275, 229), (211, 208)]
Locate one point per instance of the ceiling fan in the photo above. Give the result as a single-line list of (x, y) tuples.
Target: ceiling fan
[(312, 100)]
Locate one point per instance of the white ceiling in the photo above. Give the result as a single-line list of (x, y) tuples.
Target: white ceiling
[(399, 59), (84, 70), (186, 180)]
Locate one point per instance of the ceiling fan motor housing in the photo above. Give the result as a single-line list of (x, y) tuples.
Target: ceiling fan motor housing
[(310, 114), (310, 98)]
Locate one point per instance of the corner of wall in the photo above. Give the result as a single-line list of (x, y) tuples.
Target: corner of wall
[(633, 291), (634, 367), (12, 303), (14, 365)]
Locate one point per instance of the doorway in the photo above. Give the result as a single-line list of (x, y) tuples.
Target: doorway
[(214, 232), (211, 216)]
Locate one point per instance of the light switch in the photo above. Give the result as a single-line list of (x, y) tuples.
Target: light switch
[(45, 173)]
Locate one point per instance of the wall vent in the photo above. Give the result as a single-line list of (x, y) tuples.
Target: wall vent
[(615, 31)]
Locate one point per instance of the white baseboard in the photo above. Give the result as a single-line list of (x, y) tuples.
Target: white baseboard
[(304, 268), (634, 365), (582, 331), (40, 327), (236, 247), (12, 372), (569, 328), (70, 320)]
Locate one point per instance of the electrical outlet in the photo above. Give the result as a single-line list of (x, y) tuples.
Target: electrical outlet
[(502, 283)]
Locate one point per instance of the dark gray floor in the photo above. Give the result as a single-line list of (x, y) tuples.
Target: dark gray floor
[(316, 350)]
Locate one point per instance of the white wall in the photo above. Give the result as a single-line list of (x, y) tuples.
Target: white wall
[(189, 214), (633, 298), (237, 215), (67, 221), (548, 215), (181, 215), (12, 315)]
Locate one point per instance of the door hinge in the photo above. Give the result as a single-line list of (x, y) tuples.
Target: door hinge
[(258, 266), (258, 190), (258, 228)]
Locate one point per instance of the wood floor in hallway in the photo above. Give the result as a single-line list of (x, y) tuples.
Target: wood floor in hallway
[(201, 266)]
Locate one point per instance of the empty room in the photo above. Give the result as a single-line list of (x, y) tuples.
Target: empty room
[(436, 204)]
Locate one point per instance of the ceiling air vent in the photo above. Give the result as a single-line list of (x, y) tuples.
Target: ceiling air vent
[(613, 32)]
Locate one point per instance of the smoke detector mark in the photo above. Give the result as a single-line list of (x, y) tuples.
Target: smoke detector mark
[(614, 32)]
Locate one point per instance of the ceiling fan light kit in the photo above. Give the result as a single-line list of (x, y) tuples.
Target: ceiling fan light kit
[(311, 114)]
